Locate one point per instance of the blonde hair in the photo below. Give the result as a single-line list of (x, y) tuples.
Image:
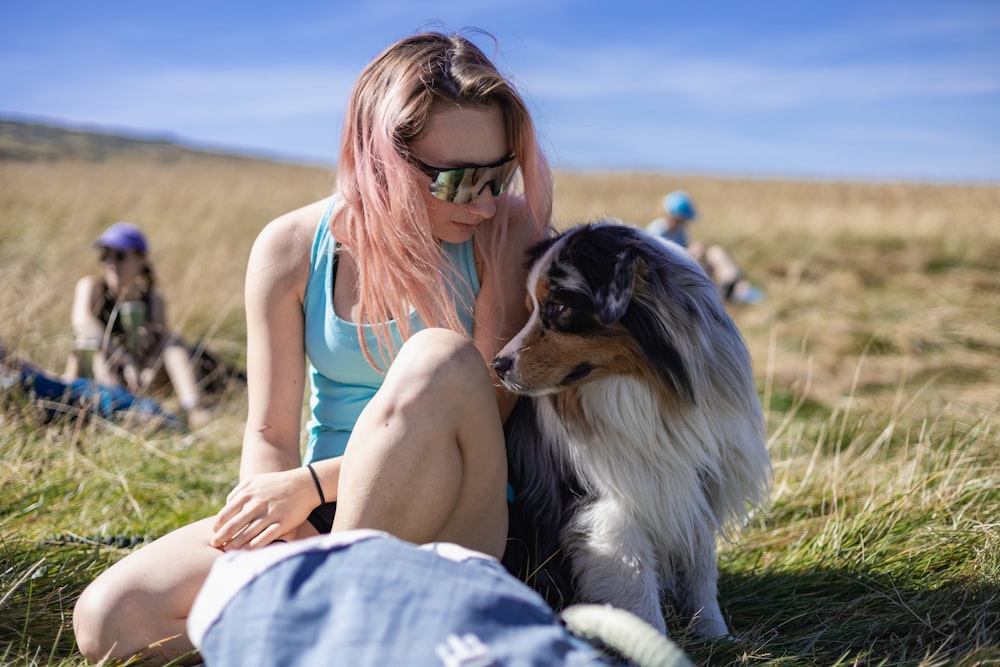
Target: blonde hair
[(383, 218)]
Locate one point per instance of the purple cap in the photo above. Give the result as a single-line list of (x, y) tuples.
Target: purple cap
[(122, 236)]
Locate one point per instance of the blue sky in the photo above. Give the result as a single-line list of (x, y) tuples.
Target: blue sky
[(860, 90)]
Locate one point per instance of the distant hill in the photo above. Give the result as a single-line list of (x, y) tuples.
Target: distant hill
[(32, 142)]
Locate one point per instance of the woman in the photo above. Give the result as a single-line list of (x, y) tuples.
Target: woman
[(120, 325), (392, 294)]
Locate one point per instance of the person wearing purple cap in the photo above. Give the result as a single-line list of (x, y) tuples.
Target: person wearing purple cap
[(678, 212), (120, 326)]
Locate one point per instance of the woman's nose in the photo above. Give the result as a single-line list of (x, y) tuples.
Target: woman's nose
[(484, 205)]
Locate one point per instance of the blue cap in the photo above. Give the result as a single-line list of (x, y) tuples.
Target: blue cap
[(123, 236), (679, 203)]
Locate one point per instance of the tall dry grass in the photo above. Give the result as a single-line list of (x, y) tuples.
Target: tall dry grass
[(904, 277), (877, 353), (201, 215)]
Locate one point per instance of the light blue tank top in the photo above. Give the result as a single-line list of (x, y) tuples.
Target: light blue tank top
[(342, 381)]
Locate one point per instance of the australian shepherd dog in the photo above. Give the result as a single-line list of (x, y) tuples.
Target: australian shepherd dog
[(640, 439)]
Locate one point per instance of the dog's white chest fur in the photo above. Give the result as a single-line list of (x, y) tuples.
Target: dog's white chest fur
[(626, 457)]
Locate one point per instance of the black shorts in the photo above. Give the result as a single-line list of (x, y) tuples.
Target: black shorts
[(321, 518)]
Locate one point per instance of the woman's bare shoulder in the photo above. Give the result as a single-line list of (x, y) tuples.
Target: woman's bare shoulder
[(88, 280), (293, 226), (284, 244), (89, 286)]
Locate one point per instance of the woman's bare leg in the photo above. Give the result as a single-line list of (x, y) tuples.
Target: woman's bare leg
[(72, 370), (143, 600), (727, 276), (722, 267), (426, 461), (177, 363)]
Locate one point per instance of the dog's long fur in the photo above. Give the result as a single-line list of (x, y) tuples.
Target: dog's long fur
[(642, 439)]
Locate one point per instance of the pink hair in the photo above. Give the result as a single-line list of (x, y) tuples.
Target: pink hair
[(383, 218)]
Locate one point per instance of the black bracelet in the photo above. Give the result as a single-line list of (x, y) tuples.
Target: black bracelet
[(319, 489)]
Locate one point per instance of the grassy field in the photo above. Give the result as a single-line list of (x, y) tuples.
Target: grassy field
[(877, 354)]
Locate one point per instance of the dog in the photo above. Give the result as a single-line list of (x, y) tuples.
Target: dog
[(638, 438)]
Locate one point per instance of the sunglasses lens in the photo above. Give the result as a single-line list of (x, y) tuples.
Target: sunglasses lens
[(447, 184), (460, 186), (109, 255)]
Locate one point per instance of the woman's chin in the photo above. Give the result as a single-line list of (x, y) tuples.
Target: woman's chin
[(457, 232)]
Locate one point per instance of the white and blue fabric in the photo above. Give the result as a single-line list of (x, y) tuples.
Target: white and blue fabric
[(364, 598)]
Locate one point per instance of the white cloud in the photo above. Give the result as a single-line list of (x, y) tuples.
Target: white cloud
[(725, 84), (179, 96)]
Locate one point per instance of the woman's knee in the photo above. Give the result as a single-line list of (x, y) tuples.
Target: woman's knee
[(117, 623), (87, 620), (457, 378), (99, 618), (438, 386), (141, 599), (438, 345), (723, 268), (440, 361)]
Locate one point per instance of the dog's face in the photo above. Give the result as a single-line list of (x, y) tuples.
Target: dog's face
[(605, 299)]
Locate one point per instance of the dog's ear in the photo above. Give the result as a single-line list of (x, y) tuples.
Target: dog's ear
[(613, 296)]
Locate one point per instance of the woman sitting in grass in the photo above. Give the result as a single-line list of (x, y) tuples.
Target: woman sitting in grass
[(119, 323), (390, 298)]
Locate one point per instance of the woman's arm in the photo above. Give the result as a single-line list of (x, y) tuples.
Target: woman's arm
[(89, 330), (86, 325), (275, 493), (498, 321), (275, 288)]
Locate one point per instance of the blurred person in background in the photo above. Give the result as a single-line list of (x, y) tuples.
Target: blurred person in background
[(120, 326), (678, 212), (81, 397)]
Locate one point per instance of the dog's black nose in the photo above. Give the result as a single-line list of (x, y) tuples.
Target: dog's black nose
[(501, 365)]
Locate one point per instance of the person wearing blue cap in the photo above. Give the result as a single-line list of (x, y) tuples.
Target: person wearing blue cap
[(678, 212), (119, 325)]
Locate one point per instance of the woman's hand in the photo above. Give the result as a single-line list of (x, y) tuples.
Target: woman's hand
[(132, 373), (263, 508), (146, 342)]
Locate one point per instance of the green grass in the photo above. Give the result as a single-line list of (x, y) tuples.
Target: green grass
[(66, 483), (880, 545), (877, 353), (879, 548)]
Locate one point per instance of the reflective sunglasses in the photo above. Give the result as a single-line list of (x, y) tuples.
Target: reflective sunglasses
[(460, 185), (112, 255)]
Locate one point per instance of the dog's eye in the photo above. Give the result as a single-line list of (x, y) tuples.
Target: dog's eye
[(553, 309)]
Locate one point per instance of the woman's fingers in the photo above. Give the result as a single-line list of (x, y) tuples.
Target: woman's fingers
[(239, 487), (265, 537), (261, 509), (250, 532), (255, 533), (234, 504), (234, 518), (254, 524)]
